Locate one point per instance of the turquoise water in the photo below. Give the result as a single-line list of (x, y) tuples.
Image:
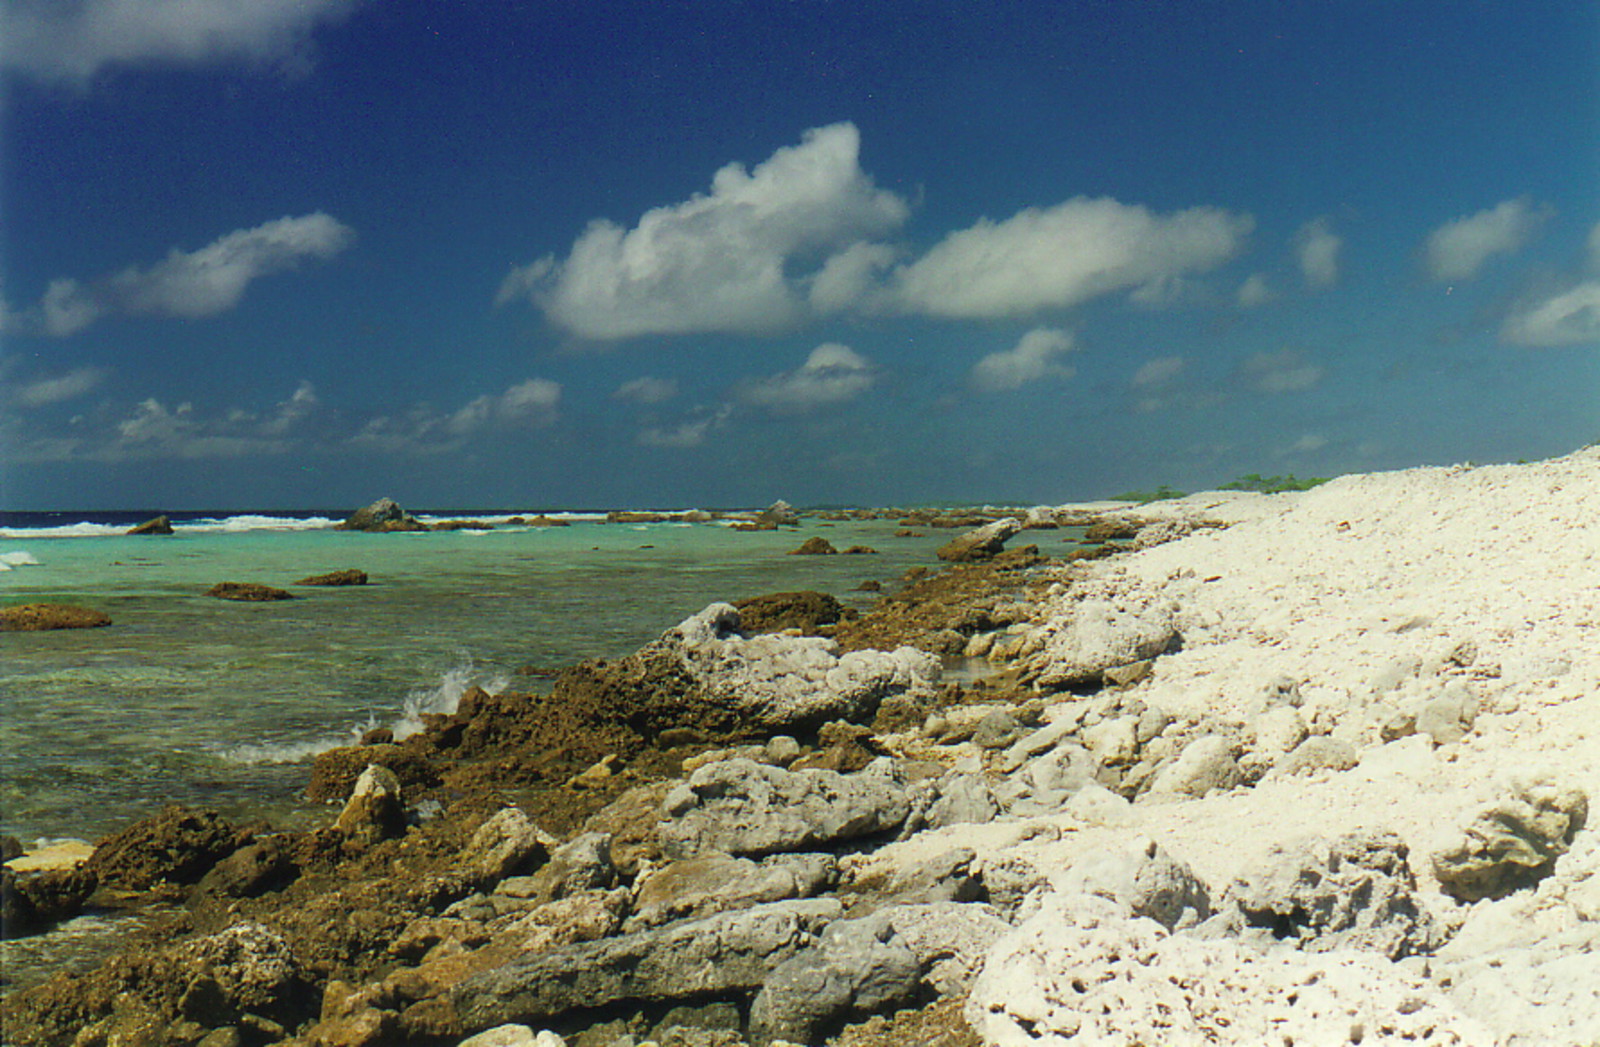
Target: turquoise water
[(186, 698)]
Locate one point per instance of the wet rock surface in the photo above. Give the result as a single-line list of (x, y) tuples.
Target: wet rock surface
[(248, 591), (36, 617)]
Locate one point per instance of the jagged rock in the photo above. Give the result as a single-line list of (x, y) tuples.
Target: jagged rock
[(179, 846), (382, 515), (984, 543), (803, 610), (1512, 843), (742, 807), (247, 968), (1206, 764), (348, 576), (816, 545), (949, 940), (250, 871), (36, 617), (857, 967), (1083, 638), (1113, 529), (581, 864), (334, 773), (1080, 969), (248, 591), (705, 675), (31, 902), (1352, 892), (728, 952), (513, 1036), (948, 877), (696, 887), (1149, 882), (1447, 718), (1320, 752), (779, 514), (955, 798), (507, 844), (155, 525), (375, 810)]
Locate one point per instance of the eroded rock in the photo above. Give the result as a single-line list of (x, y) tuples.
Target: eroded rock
[(1511, 843)]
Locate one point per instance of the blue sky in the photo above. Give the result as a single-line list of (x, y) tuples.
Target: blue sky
[(304, 253)]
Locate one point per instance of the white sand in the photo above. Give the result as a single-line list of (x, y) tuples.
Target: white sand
[(1373, 594)]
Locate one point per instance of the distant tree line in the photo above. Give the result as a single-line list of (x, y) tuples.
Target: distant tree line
[(1248, 482)]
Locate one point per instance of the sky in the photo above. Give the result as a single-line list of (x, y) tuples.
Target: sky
[(524, 255)]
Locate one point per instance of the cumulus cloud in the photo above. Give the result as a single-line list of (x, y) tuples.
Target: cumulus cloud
[(531, 404), (736, 259), (1288, 371), (1034, 357), (1458, 249), (1567, 317), (1158, 384), (691, 432), (1253, 292), (832, 374), (422, 428), (1051, 258), (197, 283), (1317, 248), (647, 390), (71, 40), (42, 392)]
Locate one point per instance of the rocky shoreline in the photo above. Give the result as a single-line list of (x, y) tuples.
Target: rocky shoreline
[(1307, 768)]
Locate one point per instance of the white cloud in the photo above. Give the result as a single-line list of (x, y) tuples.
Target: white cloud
[(42, 392), (531, 404), (1317, 248), (1253, 292), (1458, 249), (832, 374), (197, 283), (1158, 384), (690, 433), (67, 308), (71, 40), (647, 390), (1289, 371), (1031, 359), (1051, 258), (1310, 443), (1568, 317), (213, 278), (849, 277), (423, 429), (736, 259)]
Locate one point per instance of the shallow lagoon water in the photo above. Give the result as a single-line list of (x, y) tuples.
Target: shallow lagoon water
[(186, 698)]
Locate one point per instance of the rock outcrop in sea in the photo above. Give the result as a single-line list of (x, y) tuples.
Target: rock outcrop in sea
[(383, 515)]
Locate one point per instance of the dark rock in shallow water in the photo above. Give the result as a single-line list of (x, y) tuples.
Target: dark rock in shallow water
[(804, 610), (247, 591), (158, 525), (815, 546), (179, 846), (348, 576), (984, 543), (383, 515), (31, 902), (778, 514), (34, 617)]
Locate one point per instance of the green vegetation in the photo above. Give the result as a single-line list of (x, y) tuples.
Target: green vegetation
[(1273, 484), (1160, 494)]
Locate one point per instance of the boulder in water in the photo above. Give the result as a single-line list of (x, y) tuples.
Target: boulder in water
[(32, 617), (383, 515), (247, 591), (348, 576), (156, 525)]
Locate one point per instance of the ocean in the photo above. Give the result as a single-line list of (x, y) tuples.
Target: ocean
[(190, 699)]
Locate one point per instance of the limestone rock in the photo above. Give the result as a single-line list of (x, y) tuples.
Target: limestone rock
[(1081, 970), (1352, 892), (348, 576), (247, 591), (983, 543), (696, 887), (720, 954), (1149, 882), (507, 844), (156, 525), (859, 966), (779, 514), (1206, 764), (1511, 843), (36, 617), (1082, 638), (250, 871), (742, 807), (581, 864), (1320, 752), (375, 810), (816, 545)]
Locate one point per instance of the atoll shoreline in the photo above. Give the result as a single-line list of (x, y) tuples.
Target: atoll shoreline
[(1309, 768)]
